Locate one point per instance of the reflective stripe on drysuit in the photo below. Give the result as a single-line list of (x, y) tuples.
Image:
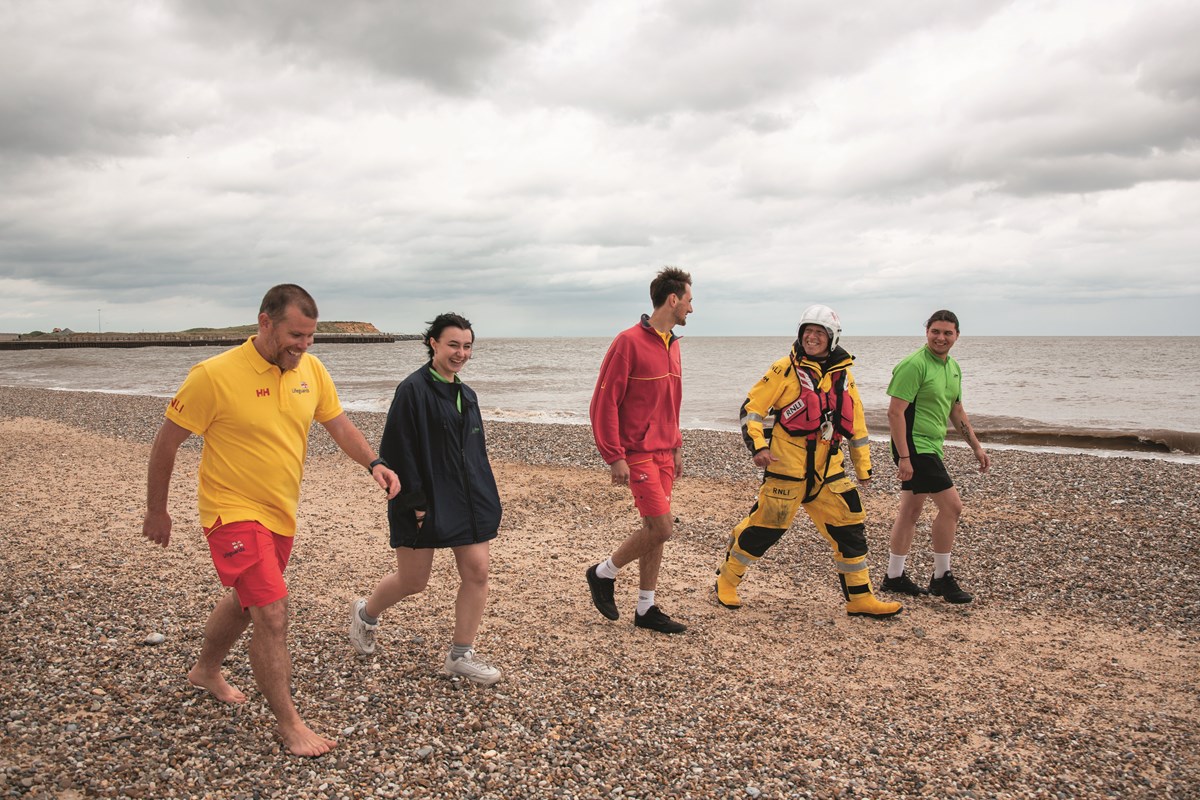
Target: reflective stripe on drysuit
[(835, 507), (836, 511), (778, 389)]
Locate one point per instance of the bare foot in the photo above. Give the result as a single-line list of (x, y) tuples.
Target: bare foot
[(216, 685), (300, 740)]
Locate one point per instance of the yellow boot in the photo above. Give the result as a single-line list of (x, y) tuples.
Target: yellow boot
[(861, 601), (729, 575), (867, 605), (747, 543)]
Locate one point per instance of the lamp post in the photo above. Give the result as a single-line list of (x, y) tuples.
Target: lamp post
[(99, 329)]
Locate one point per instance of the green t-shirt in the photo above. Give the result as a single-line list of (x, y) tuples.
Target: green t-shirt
[(931, 387)]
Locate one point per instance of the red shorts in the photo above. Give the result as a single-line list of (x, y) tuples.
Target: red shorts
[(651, 476), (251, 559)]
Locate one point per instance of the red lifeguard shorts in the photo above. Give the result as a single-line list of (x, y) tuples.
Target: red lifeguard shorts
[(651, 476), (251, 559)]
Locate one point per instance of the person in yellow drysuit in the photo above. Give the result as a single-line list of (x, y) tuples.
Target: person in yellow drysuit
[(812, 395)]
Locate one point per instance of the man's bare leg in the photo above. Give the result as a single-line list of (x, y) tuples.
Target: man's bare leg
[(272, 666), (658, 530), (650, 538), (945, 524), (225, 626), (905, 526), (648, 568)]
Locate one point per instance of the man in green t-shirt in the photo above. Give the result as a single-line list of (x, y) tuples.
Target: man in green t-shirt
[(925, 392)]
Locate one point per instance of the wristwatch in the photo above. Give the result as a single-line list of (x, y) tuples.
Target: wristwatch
[(371, 467)]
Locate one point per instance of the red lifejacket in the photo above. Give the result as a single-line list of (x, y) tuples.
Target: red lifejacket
[(817, 414), (825, 415)]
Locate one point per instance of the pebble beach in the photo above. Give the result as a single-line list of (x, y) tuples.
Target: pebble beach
[(1074, 674)]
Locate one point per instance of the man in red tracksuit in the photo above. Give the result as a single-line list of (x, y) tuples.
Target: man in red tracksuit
[(635, 421)]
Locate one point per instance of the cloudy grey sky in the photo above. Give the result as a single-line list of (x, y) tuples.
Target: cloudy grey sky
[(1034, 166)]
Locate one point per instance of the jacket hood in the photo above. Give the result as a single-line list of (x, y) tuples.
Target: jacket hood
[(838, 357)]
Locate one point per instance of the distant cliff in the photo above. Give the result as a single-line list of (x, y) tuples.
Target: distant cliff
[(346, 327), (327, 333), (247, 330)]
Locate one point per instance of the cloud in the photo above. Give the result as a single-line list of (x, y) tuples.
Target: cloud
[(1053, 114), (453, 46), (636, 61), (532, 164)]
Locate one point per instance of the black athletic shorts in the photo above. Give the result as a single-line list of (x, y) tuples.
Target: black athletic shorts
[(929, 474)]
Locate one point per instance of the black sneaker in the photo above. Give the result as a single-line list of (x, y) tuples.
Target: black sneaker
[(947, 587), (602, 593), (656, 620), (902, 585)]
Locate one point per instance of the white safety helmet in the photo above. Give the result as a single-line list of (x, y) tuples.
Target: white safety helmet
[(824, 316)]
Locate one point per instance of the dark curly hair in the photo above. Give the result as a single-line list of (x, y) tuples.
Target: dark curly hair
[(440, 323)]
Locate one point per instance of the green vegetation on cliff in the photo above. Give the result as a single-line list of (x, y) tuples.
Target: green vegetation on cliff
[(322, 327)]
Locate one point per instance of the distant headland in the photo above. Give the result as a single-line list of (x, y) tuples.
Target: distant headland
[(327, 333)]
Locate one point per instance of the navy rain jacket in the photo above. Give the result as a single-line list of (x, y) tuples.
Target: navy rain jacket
[(441, 459)]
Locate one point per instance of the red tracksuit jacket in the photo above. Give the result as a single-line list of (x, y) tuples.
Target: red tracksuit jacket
[(635, 405)]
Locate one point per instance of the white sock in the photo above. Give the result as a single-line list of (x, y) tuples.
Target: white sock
[(645, 600), (895, 565), (941, 564), (607, 569)]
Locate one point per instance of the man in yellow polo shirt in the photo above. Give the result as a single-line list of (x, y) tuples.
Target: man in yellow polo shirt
[(254, 405)]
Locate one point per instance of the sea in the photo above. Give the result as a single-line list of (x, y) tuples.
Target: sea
[(1115, 396)]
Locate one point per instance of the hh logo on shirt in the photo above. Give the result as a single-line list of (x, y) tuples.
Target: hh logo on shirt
[(262, 392)]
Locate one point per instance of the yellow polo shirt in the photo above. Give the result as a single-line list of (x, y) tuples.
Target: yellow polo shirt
[(255, 421)]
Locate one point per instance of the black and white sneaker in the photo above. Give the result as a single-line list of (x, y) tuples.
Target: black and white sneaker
[(902, 585), (656, 620), (947, 587), (602, 593)]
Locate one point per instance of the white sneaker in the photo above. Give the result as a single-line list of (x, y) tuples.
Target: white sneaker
[(362, 635), (472, 668)]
